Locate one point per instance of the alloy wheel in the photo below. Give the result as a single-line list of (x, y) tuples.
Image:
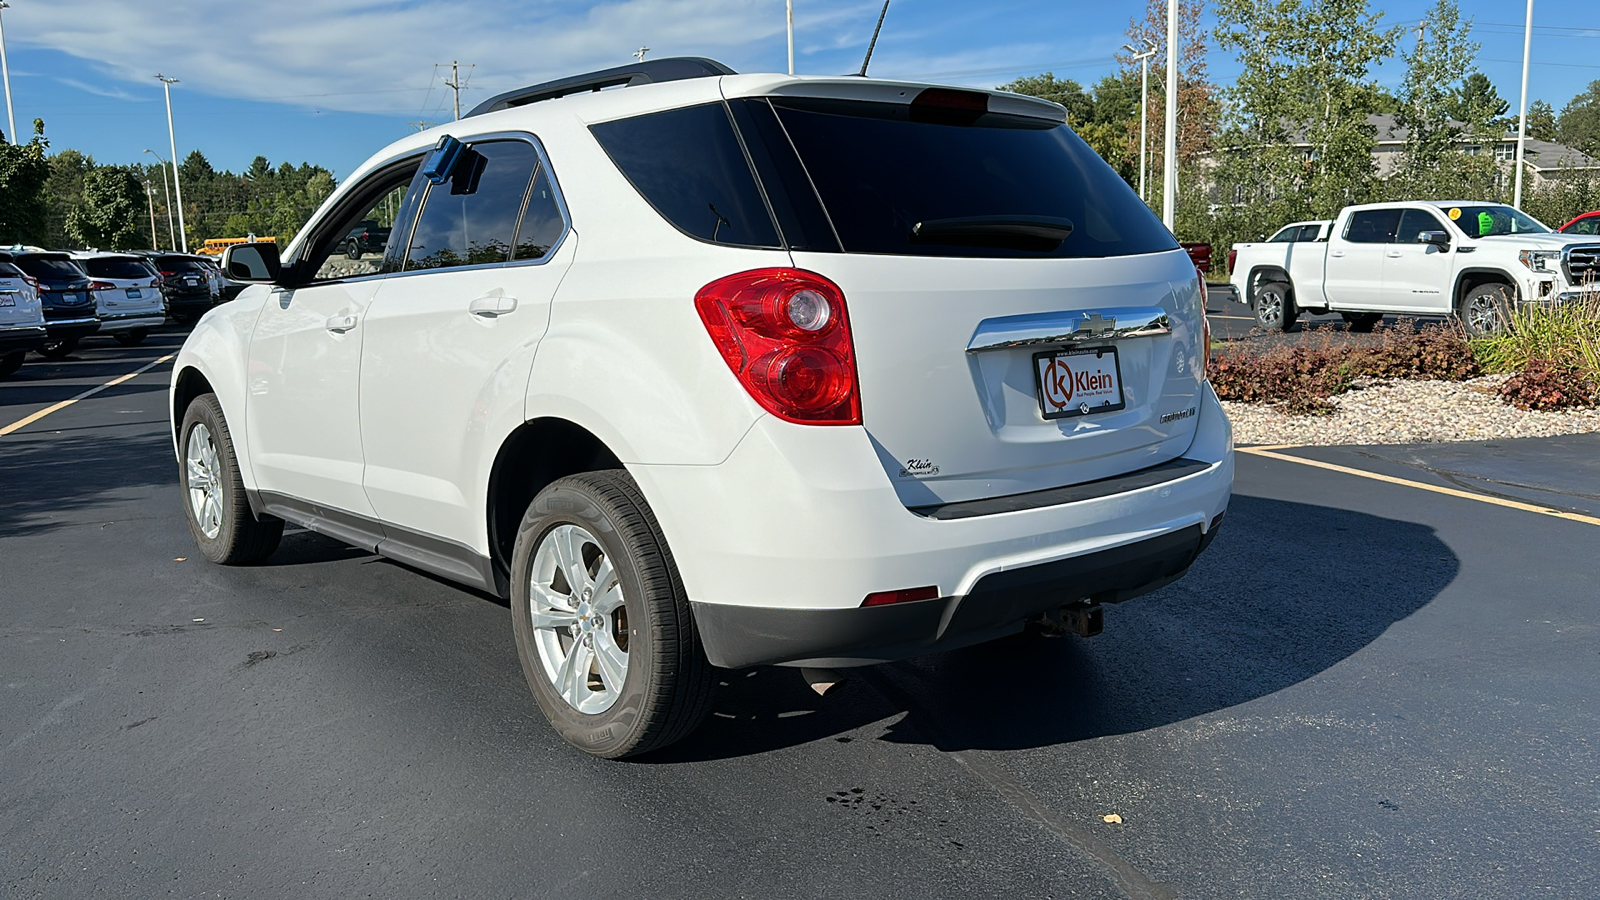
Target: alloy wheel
[(204, 476), (579, 619)]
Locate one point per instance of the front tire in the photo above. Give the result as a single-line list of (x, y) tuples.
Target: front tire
[(602, 624), (214, 501), (1485, 310), (1274, 307), (58, 349), (352, 250)]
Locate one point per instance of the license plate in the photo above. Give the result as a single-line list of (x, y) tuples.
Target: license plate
[(1078, 382), (8, 299), (134, 294)]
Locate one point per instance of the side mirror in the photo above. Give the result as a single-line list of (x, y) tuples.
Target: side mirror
[(252, 263), (1437, 238)]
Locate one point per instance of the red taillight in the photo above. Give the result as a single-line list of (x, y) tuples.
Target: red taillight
[(1233, 257), (101, 286), (32, 282), (904, 595), (166, 274), (1205, 358), (786, 335)]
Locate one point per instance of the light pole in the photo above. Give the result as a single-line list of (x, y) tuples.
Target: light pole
[(177, 185), (5, 67), (150, 195), (1169, 164), (1144, 116), (789, 4), (1522, 113), (166, 191)]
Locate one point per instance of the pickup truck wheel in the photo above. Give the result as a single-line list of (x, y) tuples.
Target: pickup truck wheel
[(1361, 323), (602, 624), (11, 362), (352, 250), (1274, 306), (1485, 309), (213, 492)]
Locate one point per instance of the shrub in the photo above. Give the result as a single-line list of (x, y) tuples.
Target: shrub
[(1545, 385), (1438, 352), (1566, 335)]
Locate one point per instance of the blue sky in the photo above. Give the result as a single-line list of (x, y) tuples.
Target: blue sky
[(331, 81)]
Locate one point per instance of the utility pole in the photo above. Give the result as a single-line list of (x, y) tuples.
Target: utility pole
[(1169, 188), (422, 126), (456, 84), (5, 67), (790, 5), (150, 195), (1144, 115), (166, 191), (1522, 111), (177, 184)]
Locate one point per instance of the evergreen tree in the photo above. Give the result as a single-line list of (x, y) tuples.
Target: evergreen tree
[(1478, 105), (1579, 124), (1541, 121)]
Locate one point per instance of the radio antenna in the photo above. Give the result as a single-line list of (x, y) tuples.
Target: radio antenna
[(864, 62)]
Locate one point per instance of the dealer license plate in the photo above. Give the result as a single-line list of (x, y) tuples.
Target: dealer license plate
[(8, 299), (134, 294), (1078, 382)]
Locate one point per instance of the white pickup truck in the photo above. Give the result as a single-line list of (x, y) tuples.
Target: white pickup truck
[(1469, 259)]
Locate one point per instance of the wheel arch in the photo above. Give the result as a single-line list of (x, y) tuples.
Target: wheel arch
[(534, 454), (1263, 274), (1471, 278)]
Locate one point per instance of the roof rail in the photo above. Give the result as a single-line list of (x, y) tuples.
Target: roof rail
[(676, 68)]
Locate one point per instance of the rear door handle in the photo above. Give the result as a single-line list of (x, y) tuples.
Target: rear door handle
[(340, 324), (1339, 253), (492, 306), (1396, 254)]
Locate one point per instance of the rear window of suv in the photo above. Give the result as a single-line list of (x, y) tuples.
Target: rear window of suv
[(171, 264), (110, 267), (50, 268)]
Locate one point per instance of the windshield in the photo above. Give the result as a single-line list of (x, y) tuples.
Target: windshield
[(1491, 221), (881, 173)]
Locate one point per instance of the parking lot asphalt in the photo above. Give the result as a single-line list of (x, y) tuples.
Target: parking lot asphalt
[(1362, 689), (1232, 321)]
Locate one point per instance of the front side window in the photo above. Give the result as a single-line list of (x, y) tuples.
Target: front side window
[(1590, 225), (1373, 226), (1414, 223), (471, 217), (354, 240)]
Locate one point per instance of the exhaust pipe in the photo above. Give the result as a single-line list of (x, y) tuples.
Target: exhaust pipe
[(823, 681), (1081, 619)]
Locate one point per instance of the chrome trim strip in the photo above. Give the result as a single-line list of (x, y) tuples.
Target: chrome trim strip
[(87, 321), (1075, 327), (21, 329)]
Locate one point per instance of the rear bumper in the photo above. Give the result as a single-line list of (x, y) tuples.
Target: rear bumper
[(22, 337), (68, 329), (189, 302), (110, 324), (779, 545)]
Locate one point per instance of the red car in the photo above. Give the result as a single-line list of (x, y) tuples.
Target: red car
[(1588, 223)]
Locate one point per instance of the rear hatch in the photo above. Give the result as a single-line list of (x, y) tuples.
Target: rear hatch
[(135, 288), (63, 287), (19, 302), (1021, 320)]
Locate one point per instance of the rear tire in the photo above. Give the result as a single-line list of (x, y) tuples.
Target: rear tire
[(58, 349), (610, 652), (131, 338), (214, 501), (1362, 323), (1485, 310), (1274, 307), (11, 362), (352, 250)]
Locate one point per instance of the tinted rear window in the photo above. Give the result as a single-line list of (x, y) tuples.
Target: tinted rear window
[(688, 163), (51, 268), (879, 173), (172, 264), (125, 269)]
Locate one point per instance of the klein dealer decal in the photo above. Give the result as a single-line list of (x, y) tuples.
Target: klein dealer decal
[(1076, 384)]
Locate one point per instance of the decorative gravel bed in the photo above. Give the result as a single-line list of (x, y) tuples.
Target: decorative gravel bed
[(1408, 412)]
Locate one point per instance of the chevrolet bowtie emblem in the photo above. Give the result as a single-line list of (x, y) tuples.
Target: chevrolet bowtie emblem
[(1096, 325)]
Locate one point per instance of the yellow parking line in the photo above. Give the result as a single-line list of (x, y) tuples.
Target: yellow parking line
[(25, 422), (1452, 492)]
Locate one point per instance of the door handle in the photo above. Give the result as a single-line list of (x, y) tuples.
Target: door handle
[(340, 324), (1339, 253), (492, 306), (1394, 254)]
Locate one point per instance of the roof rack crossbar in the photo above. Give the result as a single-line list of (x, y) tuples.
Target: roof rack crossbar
[(675, 68)]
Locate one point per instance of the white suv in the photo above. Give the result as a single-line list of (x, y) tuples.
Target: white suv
[(127, 294), (722, 370)]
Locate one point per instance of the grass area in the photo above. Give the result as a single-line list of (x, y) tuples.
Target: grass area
[(1551, 352)]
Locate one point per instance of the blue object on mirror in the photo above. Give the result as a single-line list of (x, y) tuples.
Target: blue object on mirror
[(442, 160)]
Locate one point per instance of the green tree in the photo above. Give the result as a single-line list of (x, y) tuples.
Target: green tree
[(1477, 104), (1541, 121), (1306, 80), (1068, 93), (111, 213), (1579, 124), (1433, 86), (24, 173)]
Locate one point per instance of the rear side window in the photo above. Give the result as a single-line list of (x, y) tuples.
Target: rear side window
[(51, 268), (123, 269), (880, 169), (1286, 236), (1372, 226), (688, 163), (1413, 224), (471, 219), (542, 224)]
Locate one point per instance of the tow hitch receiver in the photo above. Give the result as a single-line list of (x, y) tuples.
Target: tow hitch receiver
[(1082, 619)]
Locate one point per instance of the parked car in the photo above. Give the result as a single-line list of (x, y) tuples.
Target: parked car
[(1464, 258), (1200, 255), (366, 237), (187, 284), (1588, 223), (21, 318), (693, 388), (69, 308), (127, 294)]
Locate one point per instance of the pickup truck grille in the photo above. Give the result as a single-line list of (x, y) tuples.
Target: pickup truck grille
[(1583, 265)]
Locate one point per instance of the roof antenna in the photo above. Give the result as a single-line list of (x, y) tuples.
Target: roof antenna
[(885, 12)]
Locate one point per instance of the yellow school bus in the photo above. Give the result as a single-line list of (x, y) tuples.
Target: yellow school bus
[(215, 246)]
